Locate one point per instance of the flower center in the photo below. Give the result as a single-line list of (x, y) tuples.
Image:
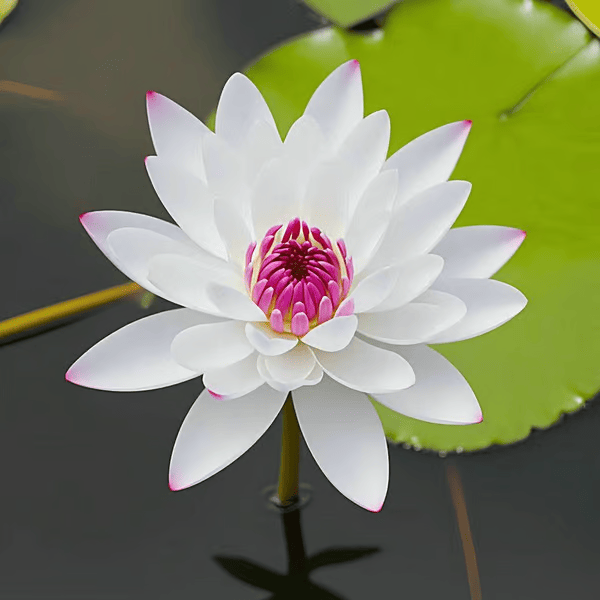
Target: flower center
[(297, 277)]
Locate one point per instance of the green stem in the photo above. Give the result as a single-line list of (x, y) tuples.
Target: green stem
[(287, 491)]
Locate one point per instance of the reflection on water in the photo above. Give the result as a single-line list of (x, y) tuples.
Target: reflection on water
[(296, 582)]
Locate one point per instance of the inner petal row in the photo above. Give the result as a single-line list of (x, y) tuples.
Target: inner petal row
[(297, 276)]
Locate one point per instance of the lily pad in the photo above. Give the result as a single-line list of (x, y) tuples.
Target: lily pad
[(528, 75), (6, 7), (349, 12), (589, 13)]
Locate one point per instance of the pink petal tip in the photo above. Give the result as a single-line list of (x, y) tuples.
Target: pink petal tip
[(215, 395), (479, 417), (375, 509), (468, 122)]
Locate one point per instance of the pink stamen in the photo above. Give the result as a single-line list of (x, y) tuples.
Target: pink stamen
[(305, 230), (346, 308), (334, 292), (276, 321), (345, 286), (325, 309), (350, 268), (250, 252), (265, 245), (285, 298), (342, 246), (298, 308), (300, 325), (259, 288), (273, 230), (248, 276), (298, 295), (265, 299)]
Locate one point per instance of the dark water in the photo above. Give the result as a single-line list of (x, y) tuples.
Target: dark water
[(85, 511)]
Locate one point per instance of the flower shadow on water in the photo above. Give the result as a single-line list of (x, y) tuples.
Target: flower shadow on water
[(296, 582)]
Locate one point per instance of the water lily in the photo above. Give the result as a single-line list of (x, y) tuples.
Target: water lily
[(313, 264)]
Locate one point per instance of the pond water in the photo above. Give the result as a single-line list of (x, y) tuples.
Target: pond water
[(86, 511)]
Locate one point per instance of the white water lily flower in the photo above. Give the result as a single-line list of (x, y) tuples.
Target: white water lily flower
[(296, 259)]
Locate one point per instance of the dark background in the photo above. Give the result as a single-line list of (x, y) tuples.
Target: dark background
[(85, 511)]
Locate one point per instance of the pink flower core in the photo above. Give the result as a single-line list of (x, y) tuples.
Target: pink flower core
[(297, 276)]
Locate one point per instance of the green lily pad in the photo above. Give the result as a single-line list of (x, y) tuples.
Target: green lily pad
[(6, 7), (528, 75), (348, 12)]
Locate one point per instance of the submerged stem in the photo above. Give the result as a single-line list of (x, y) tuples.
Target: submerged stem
[(287, 490)]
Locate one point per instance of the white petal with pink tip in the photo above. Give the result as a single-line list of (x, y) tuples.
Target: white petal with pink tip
[(235, 380)]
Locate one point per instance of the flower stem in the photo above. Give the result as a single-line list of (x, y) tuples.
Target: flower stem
[(287, 490)]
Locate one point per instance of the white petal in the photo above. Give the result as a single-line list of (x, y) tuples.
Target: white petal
[(234, 304), (212, 346), (100, 224), (136, 248), (421, 223), (477, 252), (138, 356), (262, 145), (412, 279), (313, 378), (176, 133), (291, 366), (326, 204), (337, 104), (344, 434), (374, 289), (366, 368), (440, 395), (304, 144), (371, 218), (215, 433), (269, 342), (414, 323), (235, 380), (233, 231), (185, 281), (490, 303), (240, 106), (332, 335), (429, 159), (364, 151), (275, 197), (188, 200)]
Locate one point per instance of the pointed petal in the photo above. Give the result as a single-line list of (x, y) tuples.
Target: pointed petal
[(233, 231), (263, 144), (269, 342), (344, 434), (138, 356), (212, 346), (233, 303), (412, 279), (332, 335), (477, 252), (188, 200), (420, 224), (416, 322), (176, 133), (490, 303), (185, 281), (240, 106), (233, 381), (337, 104), (429, 159), (216, 433), (440, 395), (291, 366), (374, 289), (305, 143), (367, 368)]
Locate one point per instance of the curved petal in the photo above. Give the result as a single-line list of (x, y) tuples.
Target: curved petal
[(419, 225), (367, 368), (176, 133), (268, 342), (215, 433), (345, 436), (233, 231), (234, 380), (291, 366), (429, 159), (211, 346), (371, 219), (138, 356), (100, 224), (234, 304), (412, 279), (337, 104), (414, 323), (304, 144), (188, 200), (185, 281), (490, 303), (313, 378), (477, 252), (374, 289), (240, 106), (440, 395), (332, 335), (364, 151), (263, 144)]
